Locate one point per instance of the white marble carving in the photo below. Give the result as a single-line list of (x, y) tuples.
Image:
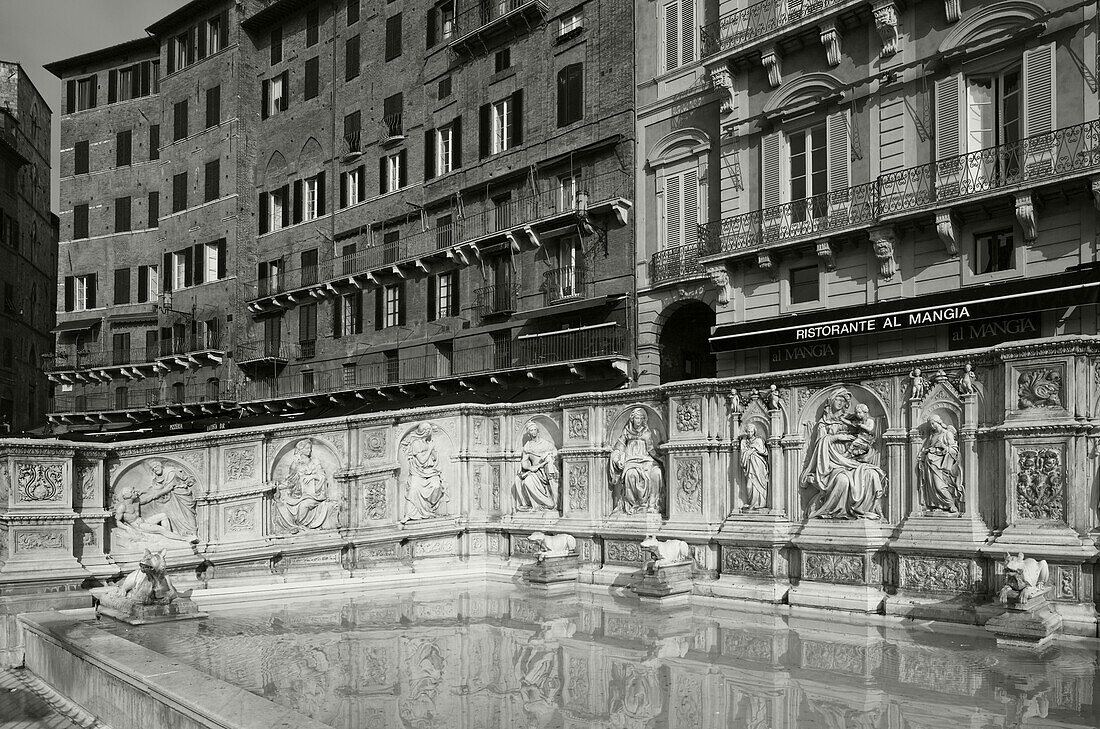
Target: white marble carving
[(939, 471), (536, 486), (302, 499), (754, 466), (635, 468), (161, 513), (424, 483)]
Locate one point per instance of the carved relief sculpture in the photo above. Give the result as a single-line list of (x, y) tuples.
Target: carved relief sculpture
[(40, 481), (967, 380), (918, 385), (424, 485), (754, 466), (302, 500), (554, 545), (939, 471), (578, 424), (1039, 388), (1040, 484), (536, 486), (578, 486), (842, 463), (689, 473), (636, 475), (1024, 579), (687, 416), (163, 513)]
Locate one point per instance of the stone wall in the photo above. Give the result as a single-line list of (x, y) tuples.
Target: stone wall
[(908, 507)]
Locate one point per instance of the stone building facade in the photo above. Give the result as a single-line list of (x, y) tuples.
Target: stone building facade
[(28, 251), (344, 210)]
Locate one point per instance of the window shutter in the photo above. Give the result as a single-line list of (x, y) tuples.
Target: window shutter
[(838, 151), (154, 142), (166, 273), (484, 130), (188, 268), (112, 86), (516, 126), (563, 101), (213, 106), (191, 36), (401, 303), (313, 66), (429, 154), (222, 263), (143, 284), (171, 55), (687, 27), (357, 304), (948, 119), (771, 152), (145, 76), (672, 35), (265, 98), (202, 40), (91, 291), (285, 98), (70, 96), (379, 320), (456, 143), (1039, 90), (343, 190), (382, 176), (135, 79), (433, 284), (337, 311), (265, 212), (154, 209), (297, 201), (198, 258), (70, 294), (454, 293), (223, 35), (673, 220), (691, 207), (285, 193), (362, 182), (402, 168), (94, 81), (320, 193)]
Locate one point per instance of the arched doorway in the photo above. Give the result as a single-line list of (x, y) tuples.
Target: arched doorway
[(685, 343)]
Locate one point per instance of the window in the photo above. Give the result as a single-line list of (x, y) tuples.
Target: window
[(808, 172), (122, 215), (312, 197), (80, 158), (313, 78), (444, 88), (993, 119), (351, 58), (213, 106), (122, 286), (181, 46), (447, 19), (391, 246), (179, 120), (153, 210), (501, 125), (569, 23), (566, 280), (502, 119), (313, 24), (213, 180), (349, 315), (348, 374), (277, 209), (154, 142), (182, 271), (126, 79), (680, 209), (307, 329), (393, 366), (502, 211), (393, 167), (568, 186), (393, 37), (392, 106), (502, 60), (679, 22), (445, 141), (213, 260), (994, 252), (276, 46), (353, 12), (803, 285), (179, 192), (274, 95), (123, 148), (393, 305), (85, 93), (83, 292), (570, 94), (148, 284), (214, 35), (122, 398), (80, 221), (353, 187), (444, 232), (443, 295)]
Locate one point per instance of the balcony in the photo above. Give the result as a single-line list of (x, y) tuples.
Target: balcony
[(1015, 168), (565, 284), (392, 132), (675, 264), (139, 405), (515, 223), (765, 22), (193, 350), (352, 147), (578, 352), (260, 353), (480, 22), (499, 301), (69, 365)]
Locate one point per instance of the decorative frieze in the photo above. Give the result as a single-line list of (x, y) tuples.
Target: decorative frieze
[(39, 541), (935, 574), (838, 568), (626, 553), (755, 561)]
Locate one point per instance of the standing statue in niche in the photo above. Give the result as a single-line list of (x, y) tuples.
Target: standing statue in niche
[(536, 485), (635, 468), (939, 475), (424, 486), (302, 500), (847, 479), (754, 465)]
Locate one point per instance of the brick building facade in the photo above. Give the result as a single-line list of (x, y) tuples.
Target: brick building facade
[(373, 201), (28, 251)]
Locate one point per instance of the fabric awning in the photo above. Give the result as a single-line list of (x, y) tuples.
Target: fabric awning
[(132, 318), (76, 325), (571, 306)]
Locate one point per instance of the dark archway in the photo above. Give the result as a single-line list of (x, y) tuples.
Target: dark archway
[(685, 343)]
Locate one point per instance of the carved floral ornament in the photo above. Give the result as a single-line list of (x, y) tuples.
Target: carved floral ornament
[(1040, 387), (687, 415), (578, 486), (747, 561), (578, 424), (935, 574), (374, 443), (1040, 484), (689, 475), (832, 567), (240, 464), (40, 481)]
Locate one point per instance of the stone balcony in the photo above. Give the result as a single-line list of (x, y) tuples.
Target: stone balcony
[(1019, 170)]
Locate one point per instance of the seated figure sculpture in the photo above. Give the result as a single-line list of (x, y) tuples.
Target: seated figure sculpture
[(302, 500)]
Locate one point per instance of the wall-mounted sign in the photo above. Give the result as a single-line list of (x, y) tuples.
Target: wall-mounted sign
[(987, 332), (806, 354)]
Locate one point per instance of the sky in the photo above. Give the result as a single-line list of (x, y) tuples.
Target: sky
[(35, 32)]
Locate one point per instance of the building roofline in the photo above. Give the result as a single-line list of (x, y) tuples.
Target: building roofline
[(273, 13), (180, 15), (147, 43), (27, 78)]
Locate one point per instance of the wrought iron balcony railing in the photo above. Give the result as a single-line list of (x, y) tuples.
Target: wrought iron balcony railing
[(597, 342), (676, 263), (565, 284), (124, 398), (496, 300), (192, 343), (352, 144), (1038, 159), (741, 27), (482, 16), (262, 350)]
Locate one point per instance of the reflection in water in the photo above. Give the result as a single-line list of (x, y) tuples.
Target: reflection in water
[(506, 659)]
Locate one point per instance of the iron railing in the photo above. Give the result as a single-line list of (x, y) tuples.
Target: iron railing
[(741, 27), (566, 284), (67, 359), (494, 300), (601, 341), (675, 263), (392, 126), (477, 15), (352, 143), (258, 349), (124, 398), (192, 343)]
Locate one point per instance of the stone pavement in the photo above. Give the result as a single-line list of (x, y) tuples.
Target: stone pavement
[(27, 703)]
